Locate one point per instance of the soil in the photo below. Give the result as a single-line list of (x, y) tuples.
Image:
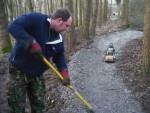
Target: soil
[(130, 69), (120, 87)]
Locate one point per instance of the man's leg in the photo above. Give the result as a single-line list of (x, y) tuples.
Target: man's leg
[(36, 94), (16, 90)]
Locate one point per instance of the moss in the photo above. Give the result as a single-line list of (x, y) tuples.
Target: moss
[(7, 48)]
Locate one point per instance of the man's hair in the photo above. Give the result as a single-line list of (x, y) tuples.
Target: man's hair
[(62, 13)]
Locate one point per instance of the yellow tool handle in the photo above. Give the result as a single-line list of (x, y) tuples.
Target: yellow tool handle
[(53, 68), (80, 97), (69, 86), (83, 100)]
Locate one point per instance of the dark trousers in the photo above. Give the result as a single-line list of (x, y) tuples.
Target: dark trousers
[(21, 84)]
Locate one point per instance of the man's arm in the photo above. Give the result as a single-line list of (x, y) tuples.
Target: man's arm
[(20, 27), (60, 61), (61, 65)]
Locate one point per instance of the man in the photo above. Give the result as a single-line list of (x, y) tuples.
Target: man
[(35, 34)]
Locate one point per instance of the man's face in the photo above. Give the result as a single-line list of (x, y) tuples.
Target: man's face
[(60, 25)]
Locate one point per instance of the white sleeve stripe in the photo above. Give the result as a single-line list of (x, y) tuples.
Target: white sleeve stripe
[(56, 41), (49, 20)]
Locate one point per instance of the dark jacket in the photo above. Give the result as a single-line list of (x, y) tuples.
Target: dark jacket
[(34, 26)]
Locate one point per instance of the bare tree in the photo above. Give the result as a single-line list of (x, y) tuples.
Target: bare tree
[(70, 34), (51, 5), (86, 21), (147, 38), (100, 13), (94, 18), (105, 10), (80, 12), (125, 11), (76, 12), (10, 10), (31, 7)]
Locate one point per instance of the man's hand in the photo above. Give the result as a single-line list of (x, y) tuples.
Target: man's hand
[(66, 81), (66, 77), (35, 48)]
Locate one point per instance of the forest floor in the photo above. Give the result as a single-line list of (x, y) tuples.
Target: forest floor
[(120, 87)]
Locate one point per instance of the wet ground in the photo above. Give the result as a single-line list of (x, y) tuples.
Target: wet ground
[(108, 87)]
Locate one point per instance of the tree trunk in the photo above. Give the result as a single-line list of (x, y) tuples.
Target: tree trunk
[(70, 34), (100, 13), (40, 5), (94, 18), (125, 12), (76, 12), (147, 38), (10, 10), (110, 9), (16, 8), (80, 12), (86, 21), (5, 44), (51, 6), (61, 3), (48, 7), (20, 7), (105, 11), (31, 7)]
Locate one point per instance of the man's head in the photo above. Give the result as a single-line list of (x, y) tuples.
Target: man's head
[(61, 20)]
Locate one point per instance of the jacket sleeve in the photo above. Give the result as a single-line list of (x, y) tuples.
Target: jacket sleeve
[(20, 28), (60, 61)]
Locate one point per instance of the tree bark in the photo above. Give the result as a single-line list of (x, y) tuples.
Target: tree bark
[(48, 7), (10, 10), (76, 12), (80, 12), (61, 3), (70, 34), (100, 13), (94, 18), (51, 6), (147, 38), (31, 7), (105, 11), (86, 22), (125, 11)]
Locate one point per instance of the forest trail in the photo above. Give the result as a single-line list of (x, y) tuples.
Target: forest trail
[(92, 77), (96, 79)]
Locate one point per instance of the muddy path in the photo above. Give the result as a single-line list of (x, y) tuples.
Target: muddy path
[(97, 80)]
